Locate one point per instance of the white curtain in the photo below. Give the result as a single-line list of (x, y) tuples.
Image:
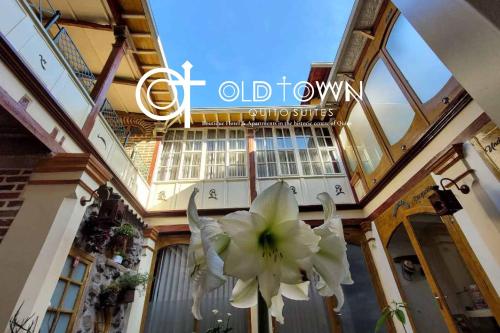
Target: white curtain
[(170, 303)]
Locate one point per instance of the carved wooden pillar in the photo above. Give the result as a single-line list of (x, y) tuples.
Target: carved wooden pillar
[(106, 77)]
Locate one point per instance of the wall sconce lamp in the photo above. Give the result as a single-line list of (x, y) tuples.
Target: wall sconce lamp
[(444, 201), (103, 193)]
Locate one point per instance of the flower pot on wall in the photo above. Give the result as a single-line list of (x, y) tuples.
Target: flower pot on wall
[(126, 296)]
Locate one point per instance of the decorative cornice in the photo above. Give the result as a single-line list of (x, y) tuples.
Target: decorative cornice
[(446, 159), (66, 162), (151, 233), (366, 226)]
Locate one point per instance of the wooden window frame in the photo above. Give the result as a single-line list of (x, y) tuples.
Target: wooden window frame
[(418, 125), (386, 161), (88, 260), (427, 113), (433, 107)]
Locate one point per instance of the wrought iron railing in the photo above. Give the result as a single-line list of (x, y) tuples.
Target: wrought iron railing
[(75, 59), (48, 16), (114, 121)]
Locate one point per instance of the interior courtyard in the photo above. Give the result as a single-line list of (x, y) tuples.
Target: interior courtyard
[(95, 227)]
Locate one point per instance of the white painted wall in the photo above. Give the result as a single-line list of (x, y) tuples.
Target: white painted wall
[(387, 280), (136, 309)]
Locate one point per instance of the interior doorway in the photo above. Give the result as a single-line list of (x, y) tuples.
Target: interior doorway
[(441, 292)]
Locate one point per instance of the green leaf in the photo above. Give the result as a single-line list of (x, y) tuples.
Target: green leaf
[(382, 319), (400, 315)]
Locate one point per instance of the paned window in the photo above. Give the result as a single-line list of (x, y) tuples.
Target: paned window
[(63, 308)]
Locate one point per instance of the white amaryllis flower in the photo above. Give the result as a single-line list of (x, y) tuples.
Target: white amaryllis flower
[(268, 249), (204, 263), (269, 243), (330, 263)]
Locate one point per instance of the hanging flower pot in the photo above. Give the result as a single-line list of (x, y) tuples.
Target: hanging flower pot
[(126, 296), (128, 282)]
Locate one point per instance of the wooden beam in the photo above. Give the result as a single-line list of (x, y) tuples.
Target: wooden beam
[(365, 33), (150, 66), (161, 92), (121, 80), (85, 24), (144, 51), (140, 34), (125, 81), (116, 14), (103, 84), (133, 16)]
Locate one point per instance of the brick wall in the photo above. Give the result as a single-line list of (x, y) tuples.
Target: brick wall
[(141, 151), (12, 183)]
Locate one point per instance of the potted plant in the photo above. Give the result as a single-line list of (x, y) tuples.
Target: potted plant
[(122, 234), (118, 257), (393, 310), (128, 282), (109, 295)]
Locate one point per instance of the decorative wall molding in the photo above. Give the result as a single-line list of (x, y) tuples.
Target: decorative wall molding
[(67, 162)]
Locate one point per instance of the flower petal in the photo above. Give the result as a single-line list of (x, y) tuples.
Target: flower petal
[(192, 212), (276, 204), (296, 239), (236, 222), (242, 264), (277, 308), (297, 292), (330, 262), (269, 282), (289, 271), (244, 294), (204, 262)]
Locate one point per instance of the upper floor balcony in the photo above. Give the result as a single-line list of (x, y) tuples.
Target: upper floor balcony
[(67, 45)]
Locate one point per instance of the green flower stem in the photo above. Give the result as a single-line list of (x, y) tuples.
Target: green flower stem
[(263, 315)]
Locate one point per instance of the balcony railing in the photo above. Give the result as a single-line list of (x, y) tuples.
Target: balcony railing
[(48, 16)]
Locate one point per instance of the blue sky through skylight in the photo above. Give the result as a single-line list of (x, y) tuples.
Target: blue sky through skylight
[(248, 41)]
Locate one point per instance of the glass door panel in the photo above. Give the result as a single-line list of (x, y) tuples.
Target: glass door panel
[(422, 305), (466, 304)]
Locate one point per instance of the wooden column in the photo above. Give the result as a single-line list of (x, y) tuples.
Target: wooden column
[(106, 77), (153, 161), (251, 162)]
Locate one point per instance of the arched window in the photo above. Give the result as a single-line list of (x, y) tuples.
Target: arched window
[(423, 70), (364, 138)]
